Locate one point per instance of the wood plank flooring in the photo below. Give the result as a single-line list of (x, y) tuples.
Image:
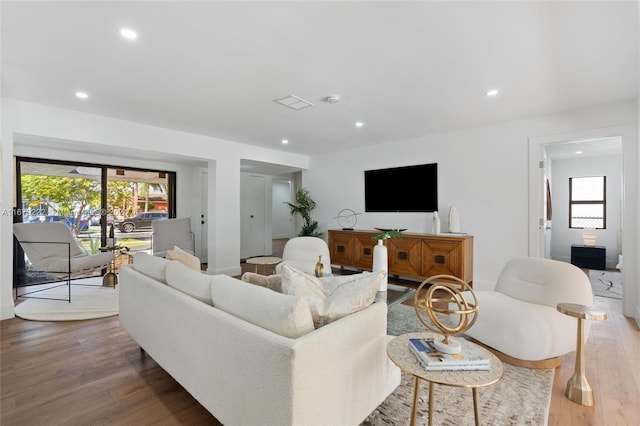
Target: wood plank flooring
[(92, 373)]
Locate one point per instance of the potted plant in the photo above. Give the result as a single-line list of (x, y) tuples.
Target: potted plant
[(303, 206), (392, 233)]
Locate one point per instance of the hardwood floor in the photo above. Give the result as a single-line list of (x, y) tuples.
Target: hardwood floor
[(92, 373), (86, 373)]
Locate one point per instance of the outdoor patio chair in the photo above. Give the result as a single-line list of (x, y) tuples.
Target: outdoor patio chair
[(169, 233), (53, 251)]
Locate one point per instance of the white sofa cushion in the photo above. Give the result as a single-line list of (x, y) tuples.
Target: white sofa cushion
[(193, 283), (331, 298), (151, 266), (288, 316), (272, 282), (183, 257)]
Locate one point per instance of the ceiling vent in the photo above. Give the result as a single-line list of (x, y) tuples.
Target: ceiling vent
[(293, 102)]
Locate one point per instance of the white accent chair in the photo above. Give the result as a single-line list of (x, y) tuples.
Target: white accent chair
[(168, 233), (52, 249), (520, 317), (302, 253)]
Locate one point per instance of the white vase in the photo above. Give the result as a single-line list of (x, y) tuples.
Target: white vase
[(435, 224), (380, 263), (454, 220)]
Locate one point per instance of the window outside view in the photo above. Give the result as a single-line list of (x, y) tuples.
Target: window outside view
[(73, 195), (587, 205)]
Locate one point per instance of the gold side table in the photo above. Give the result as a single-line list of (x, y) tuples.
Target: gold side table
[(399, 352), (110, 279), (578, 388)]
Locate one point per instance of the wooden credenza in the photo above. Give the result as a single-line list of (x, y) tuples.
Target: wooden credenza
[(414, 256)]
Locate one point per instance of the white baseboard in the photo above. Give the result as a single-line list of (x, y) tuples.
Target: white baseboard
[(228, 271), (7, 311)]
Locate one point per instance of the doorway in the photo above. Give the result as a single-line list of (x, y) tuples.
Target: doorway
[(255, 235), (573, 161)]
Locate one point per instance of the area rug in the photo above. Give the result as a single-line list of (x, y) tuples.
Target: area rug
[(402, 319), (88, 301), (522, 397), (606, 283)]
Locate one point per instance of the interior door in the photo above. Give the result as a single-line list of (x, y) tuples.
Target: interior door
[(204, 214), (281, 218), (252, 216)]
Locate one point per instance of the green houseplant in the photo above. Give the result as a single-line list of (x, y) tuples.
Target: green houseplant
[(387, 234), (303, 206)]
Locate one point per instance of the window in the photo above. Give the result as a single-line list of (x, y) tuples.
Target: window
[(588, 202), (81, 194)]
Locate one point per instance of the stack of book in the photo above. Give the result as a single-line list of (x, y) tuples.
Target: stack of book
[(470, 358)]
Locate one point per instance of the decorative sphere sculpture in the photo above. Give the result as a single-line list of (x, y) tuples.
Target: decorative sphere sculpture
[(442, 308)]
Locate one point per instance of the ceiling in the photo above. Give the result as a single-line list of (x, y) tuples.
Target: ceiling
[(404, 69), (573, 150)]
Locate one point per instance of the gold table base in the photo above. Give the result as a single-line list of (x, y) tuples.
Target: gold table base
[(110, 279), (578, 388)]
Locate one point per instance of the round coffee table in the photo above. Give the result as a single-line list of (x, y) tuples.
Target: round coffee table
[(263, 261), (399, 352)]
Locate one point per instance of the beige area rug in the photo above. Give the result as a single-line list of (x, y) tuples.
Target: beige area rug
[(606, 283), (88, 301), (522, 397)]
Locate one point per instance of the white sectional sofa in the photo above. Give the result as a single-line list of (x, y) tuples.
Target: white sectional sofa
[(245, 374)]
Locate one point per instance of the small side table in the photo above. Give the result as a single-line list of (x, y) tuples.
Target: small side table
[(398, 351), (265, 261), (110, 279), (578, 389)]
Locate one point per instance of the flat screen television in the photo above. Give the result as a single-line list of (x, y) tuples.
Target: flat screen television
[(402, 189)]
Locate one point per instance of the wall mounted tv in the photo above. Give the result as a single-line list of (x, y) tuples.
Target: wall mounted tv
[(402, 189)]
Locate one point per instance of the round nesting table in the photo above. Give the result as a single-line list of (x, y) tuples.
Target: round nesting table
[(264, 261), (399, 352), (578, 388)]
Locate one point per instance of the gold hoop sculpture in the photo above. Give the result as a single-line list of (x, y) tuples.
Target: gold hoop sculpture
[(449, 302)]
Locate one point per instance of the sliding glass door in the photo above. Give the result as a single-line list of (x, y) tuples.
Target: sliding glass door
[(94, 200)]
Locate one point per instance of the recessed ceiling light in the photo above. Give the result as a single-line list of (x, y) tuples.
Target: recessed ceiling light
[(359, 124), (578, 152), (128, 34), (492, 92), (81, 95), (285, 141)]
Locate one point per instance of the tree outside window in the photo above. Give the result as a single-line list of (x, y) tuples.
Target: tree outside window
[(588, 202)]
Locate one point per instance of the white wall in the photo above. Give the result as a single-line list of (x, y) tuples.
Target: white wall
[(482, 171), (563, 236), (89, 132)]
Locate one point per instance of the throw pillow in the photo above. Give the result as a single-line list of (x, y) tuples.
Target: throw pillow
[(288, 316), (186, 280), (331, 298), (273, 282), (151, 266), (183, 257)]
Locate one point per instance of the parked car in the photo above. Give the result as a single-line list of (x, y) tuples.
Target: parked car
[(84, 225), (140, 221), (95, 219)]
